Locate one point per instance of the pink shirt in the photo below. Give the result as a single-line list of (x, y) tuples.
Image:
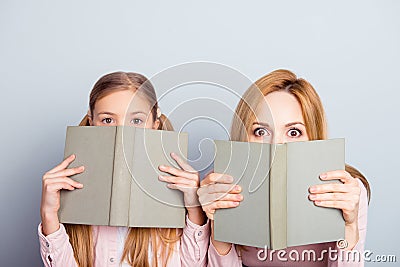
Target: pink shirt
[(248, 257), (56, 250)]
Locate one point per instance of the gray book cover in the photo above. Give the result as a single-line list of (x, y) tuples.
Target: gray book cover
[(247, 224), (121, 186), (275, 178)]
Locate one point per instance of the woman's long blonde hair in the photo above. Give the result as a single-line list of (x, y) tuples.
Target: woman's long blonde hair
[(138, 240), (311, 106)]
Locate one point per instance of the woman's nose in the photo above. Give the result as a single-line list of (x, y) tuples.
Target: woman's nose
[(279, 139)]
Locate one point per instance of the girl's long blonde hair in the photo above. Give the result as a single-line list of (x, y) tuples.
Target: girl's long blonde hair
[(311, 106), (138, 240)]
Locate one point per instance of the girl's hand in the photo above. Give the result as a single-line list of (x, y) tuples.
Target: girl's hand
[(344, 196), (218, 192), (53, 181), (185, 179)]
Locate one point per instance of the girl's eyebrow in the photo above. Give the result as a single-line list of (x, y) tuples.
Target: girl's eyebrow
[(136, 112), (110, 113), (106, 112)]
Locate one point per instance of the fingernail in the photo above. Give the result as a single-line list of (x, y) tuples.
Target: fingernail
[(173, 154), (236, 203), (161, 166), (312, 189), (82, 168), (160, 178), (238, 188), (312, 197), (230, 179), (322, 175), (79, 185), (239, 197)]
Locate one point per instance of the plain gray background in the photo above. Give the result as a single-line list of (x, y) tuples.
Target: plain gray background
[(52, 52)]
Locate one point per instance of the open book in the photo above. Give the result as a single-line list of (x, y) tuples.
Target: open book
[(275, 179), (121, 186)]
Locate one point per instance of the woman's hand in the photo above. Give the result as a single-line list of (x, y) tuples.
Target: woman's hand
[(53, 181), (218, 192), (345, 196), (186, 180)]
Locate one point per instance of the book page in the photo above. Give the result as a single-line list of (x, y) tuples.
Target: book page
[(307, 223), (94, 148), (152, 203), (122, 179), (248, 163)]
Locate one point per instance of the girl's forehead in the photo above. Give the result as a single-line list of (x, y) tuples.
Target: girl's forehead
[(119, 102)]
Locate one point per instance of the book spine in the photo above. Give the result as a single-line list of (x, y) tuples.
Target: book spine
[(121, 180), (278, 196)]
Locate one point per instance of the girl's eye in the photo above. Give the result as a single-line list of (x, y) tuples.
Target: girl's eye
[(136, 121), (107, 120), (261, 132), (294, 132)]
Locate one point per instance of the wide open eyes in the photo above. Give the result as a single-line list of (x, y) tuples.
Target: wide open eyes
[(136, 121), (107, 120), (261, 131), (294, 133)]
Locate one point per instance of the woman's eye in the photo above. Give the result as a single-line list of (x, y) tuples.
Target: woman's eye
[(136, 121), (294, 132), (261, 132), (107, 120)]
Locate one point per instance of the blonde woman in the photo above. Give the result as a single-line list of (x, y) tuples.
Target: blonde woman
[(298, 115), (89, 246)]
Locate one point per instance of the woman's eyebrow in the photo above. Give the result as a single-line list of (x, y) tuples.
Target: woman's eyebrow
[(294, 123), (286, 125), (261, 123)]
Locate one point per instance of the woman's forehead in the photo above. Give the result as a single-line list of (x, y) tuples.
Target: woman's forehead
[(279, 108)]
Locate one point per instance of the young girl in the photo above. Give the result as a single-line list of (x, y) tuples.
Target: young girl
[(298, 115), (122, 99)]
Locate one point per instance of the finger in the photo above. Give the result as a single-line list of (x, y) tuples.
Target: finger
[(183, 188), (59, 186), (182, 163), (327, 188), (223, 205), (178, 180), (209, 212), (341, 175), (65, 172), (178, 172), (329, 197), (227, 197), (207, 199), (216, 178), (54, 187), (64, 164), (223, 188), (331, 204), (62, 180)]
